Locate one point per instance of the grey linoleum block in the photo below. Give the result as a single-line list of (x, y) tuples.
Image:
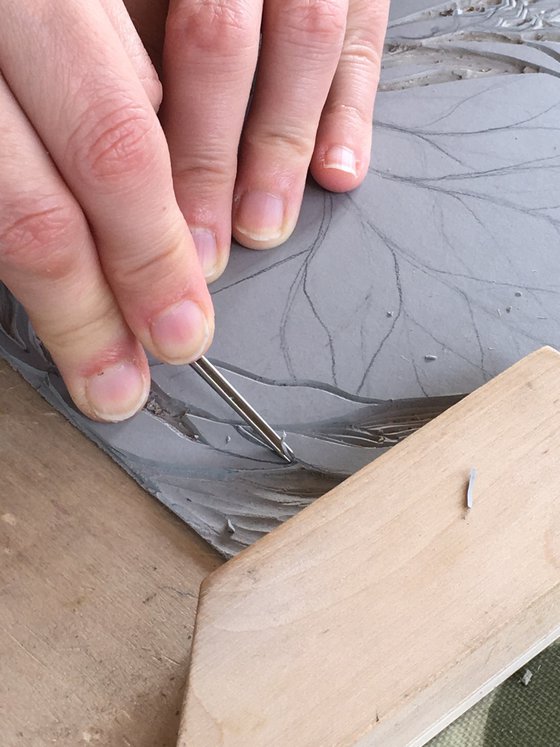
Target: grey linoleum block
[(457, 222)]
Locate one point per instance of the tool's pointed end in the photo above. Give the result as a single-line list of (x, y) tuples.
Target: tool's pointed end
[(287, 454)]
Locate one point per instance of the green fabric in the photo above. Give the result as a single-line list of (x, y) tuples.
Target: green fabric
[(514, 714)]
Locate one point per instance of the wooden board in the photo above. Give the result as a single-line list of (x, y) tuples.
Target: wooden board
[(98, 589), (383, 611)]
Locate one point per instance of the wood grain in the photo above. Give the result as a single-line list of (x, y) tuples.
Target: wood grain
[(384, 610), (98, 589)]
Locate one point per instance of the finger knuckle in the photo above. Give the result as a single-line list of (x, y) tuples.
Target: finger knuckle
[(350, 115), (287, 144), (76, 331), (116, 145), (323, 20), (362, 50), (36, 237), (205, 170), (219, 26), (158, 266)]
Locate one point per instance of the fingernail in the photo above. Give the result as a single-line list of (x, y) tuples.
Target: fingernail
[(341, 158), (181, 333), (207, 250), (260, 216), (117, 392)]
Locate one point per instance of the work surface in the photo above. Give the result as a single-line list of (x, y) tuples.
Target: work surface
[(98, 590)]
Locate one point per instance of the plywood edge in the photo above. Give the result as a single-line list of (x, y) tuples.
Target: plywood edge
[(420, 727), (291, 641)]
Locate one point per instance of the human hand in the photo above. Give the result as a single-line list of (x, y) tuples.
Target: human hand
[(317, 73), (92, 241)]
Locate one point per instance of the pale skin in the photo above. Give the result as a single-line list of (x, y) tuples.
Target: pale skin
[(114, 219)]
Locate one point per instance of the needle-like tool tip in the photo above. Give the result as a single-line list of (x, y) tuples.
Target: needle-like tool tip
[(287, 453)]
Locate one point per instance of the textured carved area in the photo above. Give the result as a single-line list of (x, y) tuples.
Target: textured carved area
[(461, 40), (431, 278)]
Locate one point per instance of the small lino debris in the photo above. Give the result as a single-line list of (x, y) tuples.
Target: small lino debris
[(389, 314), (470, 487), (153, 407), (526, 677), (430, 357), (230, 527)]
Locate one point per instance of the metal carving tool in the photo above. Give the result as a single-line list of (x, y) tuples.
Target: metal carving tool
[(227, 392)]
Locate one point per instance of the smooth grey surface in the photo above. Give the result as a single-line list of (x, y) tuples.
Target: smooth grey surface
[(449, 250)]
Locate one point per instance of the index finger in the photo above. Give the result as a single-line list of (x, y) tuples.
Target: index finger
[(66, 66)]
